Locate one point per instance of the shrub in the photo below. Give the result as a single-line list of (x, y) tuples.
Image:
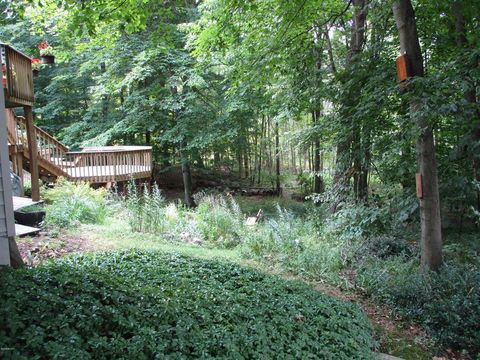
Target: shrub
[(73, 203), (384, 247), (144, 305), (446, 304), (217, 220), (220, 220), (27, 188), (355, 222)]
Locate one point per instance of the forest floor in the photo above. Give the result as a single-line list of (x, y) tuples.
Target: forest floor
[(393, 335)]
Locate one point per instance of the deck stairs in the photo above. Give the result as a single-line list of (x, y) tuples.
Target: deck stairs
[(51, 152), (98, 165)]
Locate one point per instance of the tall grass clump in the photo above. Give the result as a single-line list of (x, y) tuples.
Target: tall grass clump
[(146, 208), (73, 203), (219, 220), (293, 243)]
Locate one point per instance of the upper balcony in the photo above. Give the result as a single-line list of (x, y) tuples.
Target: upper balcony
[(17, 77)]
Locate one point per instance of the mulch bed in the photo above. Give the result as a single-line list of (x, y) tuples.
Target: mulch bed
[(42, 247)]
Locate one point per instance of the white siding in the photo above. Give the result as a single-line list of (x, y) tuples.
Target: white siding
[(7, 225)]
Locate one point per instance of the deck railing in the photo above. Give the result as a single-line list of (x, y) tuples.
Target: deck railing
[(109, 164), (101, 164), (49, 148), (17, 77)]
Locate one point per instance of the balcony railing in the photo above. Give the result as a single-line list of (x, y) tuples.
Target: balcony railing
[(108, 164), (17, 77), (97, 165)]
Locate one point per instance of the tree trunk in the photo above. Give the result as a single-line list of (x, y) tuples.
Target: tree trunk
[(33, 153), (16, 260), (318, 185), (365, 165), (431, 241), (261, 142), (293, 159), (246, 159), (216, 159), (255, 155), (330, 51), (277, 158), (269, 144), (344, 154), (309, 159), (239, 159), (187, 179), (103, 70)]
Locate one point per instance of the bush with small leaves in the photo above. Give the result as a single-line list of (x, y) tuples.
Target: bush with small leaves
[(73, 203), (145, 305), (446, 304)]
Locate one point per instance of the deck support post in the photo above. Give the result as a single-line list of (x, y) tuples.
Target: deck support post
[(33, 152)]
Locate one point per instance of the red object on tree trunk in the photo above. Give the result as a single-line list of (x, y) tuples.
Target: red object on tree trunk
[(419, 182), (402, 68)]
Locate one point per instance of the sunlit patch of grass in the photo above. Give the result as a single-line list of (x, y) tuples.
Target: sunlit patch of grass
[(116, 234), (251, 204)]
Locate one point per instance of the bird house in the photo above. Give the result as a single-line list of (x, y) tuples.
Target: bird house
[(419, 183), (402, 68)]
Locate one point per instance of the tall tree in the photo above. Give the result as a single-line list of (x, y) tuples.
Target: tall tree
[(431, 241), (348, 147)]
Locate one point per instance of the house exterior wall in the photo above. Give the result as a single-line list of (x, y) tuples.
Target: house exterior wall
[(7, 222)]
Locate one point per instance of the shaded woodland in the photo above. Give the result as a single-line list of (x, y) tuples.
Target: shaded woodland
[(365, 110)]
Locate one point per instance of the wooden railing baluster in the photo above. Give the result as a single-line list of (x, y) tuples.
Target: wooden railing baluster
[(97, 165)]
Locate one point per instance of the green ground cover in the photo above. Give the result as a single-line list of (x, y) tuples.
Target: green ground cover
[(145, 304), (359, 249)]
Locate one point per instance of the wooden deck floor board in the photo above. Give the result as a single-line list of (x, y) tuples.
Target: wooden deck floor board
[(22, 230), (21, 202)]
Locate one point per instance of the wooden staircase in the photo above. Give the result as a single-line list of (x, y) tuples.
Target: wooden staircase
[(51, 152), (98, 165)]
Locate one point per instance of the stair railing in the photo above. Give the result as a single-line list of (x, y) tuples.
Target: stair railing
[(93, 164), (49, 148)]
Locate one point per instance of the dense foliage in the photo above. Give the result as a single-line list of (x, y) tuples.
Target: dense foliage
[(145, 304), (446, 304), (295, 94), (239, 85), (362, 242), (73, 204)]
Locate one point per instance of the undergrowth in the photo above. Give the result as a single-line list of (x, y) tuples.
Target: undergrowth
[(144, 305), (70, 204), (374, 244)]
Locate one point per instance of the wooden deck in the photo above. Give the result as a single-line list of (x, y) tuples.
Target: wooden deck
[(96, 165), (33, 149)]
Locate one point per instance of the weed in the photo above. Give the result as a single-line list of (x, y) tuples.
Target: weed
[(73, 203)]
